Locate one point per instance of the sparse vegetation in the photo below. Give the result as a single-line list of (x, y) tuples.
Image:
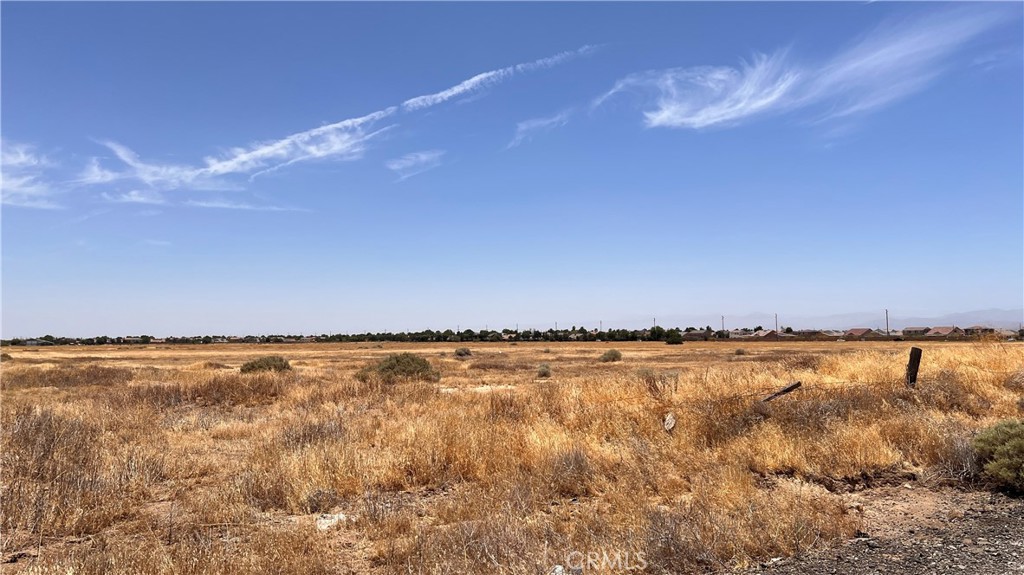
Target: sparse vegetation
[(1001, 449), (497, 468), (463, 352), (543, 371), (268, 363), (611, 355), (399, 367)]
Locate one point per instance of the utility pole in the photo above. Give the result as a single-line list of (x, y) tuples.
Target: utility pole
[(776, 327), (723, 323), (600, 323), (886, 323)]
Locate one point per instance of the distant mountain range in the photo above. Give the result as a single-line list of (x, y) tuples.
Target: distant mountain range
[(997, 318)]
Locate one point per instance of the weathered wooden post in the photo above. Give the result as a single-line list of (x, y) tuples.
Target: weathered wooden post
[(781, 392), (912, 366)]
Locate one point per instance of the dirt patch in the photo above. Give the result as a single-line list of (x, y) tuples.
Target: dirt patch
[(911, 529)]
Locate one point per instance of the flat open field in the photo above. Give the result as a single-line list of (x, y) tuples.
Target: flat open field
[(167, 459)]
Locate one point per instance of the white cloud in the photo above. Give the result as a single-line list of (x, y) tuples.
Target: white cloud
[(415, 163), (891, 63), (23, 182), (526, 129), (14, 156), (487, 79), (226, 205), (344, 140), (136, 197)]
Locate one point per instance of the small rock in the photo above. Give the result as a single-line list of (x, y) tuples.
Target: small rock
[(670, 421), (327, 520)]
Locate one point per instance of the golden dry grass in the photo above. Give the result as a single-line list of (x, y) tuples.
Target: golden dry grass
[(166, 459)]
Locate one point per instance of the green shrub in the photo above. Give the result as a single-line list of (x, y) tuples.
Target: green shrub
[(266, 363), (544, 371), (1001, 450), (463, 352), (611, 355), (399, 367), (674, 337)]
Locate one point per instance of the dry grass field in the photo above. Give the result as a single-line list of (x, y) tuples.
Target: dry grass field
[(166, 459)]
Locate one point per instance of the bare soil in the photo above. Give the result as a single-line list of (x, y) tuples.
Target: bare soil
[(916, 530)]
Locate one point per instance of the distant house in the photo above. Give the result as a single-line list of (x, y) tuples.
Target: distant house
[(37, 342), (979, 330), (915, 331), (808, 333), (739, 333), (133, 339), (950, 331), (765, 333), (860, 332)]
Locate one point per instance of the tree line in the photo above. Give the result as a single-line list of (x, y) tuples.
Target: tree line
[(655, 333)]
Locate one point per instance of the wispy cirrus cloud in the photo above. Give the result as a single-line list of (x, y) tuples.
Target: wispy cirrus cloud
[(228, 205), (415, 163), (891, 63), (526, 129), (486, 79), (136, 197), (344, 140), (23, 178)]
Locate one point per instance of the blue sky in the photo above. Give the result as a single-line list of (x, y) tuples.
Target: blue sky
[(322, 167)]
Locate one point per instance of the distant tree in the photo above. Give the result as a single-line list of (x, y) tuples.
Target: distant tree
[(674, 337), (788, 330)]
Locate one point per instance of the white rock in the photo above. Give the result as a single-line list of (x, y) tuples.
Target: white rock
[(327, 520), (670, 421)]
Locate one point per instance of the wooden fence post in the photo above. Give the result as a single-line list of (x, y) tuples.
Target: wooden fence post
[(912, 366), (781, 392)]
